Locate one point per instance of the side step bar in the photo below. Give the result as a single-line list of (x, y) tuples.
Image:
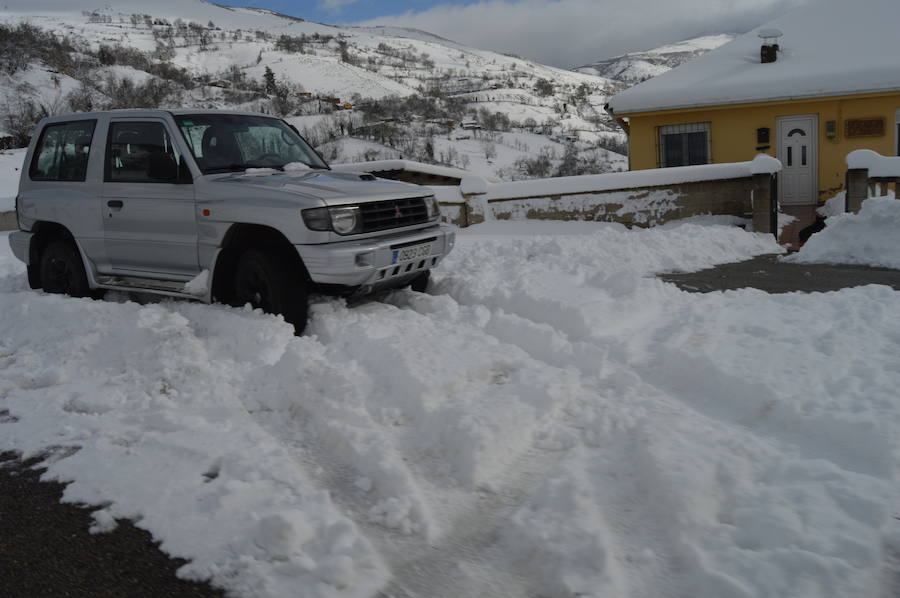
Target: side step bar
[(152, 285)]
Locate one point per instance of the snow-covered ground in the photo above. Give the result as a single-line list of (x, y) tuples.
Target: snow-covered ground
[(10, 169), (549, 420)]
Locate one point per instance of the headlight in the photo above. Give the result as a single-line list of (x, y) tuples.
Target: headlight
[(432, 207), (346, 220), (317, 219)]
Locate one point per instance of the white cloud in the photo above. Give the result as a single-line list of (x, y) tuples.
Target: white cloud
[(335, 5), (568, 33)]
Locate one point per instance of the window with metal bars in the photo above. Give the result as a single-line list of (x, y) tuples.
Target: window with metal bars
[(684, 145)]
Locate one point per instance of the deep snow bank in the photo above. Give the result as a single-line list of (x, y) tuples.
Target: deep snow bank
[(870, 238), (549, 420)]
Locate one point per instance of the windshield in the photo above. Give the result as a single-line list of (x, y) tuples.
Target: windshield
[(231, 143)]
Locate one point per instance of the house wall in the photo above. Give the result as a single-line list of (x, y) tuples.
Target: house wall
[(733, 132)]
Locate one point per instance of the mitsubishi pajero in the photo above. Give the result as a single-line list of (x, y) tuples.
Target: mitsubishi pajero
[(215, 206)]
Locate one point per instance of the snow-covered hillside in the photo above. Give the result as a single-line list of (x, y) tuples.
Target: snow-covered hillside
[(221, 49), (634, 67)]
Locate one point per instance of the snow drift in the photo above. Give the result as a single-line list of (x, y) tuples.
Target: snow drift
[(549, 420), (869, 238)]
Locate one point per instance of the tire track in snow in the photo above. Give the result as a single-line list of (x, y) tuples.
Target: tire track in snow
[(466, 506), (471, 560), (683, 562), (611, 432), (607, 424)]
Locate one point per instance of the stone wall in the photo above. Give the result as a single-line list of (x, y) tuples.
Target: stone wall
[(645, 206), (8, 221)]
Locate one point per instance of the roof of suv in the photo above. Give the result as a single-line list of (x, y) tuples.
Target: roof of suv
[(146, 112)]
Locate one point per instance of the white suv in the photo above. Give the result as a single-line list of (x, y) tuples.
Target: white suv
[(216, 206)]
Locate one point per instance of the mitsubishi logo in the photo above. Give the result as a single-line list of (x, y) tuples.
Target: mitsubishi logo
[(397, 212)]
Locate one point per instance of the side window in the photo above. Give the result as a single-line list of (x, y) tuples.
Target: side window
[(140, 152), (684, 145), (62, 152)]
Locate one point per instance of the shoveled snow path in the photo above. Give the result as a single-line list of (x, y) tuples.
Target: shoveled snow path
[(550, 420)]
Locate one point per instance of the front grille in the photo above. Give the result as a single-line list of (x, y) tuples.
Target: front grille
[(393, 213)]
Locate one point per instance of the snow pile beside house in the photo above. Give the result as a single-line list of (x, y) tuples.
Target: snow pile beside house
[(549, 420), (868, 238)]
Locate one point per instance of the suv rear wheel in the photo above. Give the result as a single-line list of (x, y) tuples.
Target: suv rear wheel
[(266, 281), (62, 271)]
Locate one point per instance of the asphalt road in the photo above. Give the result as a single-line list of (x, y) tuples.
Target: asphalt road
[(767, 273), (47, 552)]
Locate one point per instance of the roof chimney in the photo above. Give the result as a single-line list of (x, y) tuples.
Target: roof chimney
[(770, 47)]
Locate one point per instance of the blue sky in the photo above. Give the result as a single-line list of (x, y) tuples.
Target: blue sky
[(562, 33)]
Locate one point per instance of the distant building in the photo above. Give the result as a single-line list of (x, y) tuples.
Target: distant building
[(807, 88)]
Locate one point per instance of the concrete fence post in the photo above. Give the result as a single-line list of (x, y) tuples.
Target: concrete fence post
[(473, 189), (857, 185), (8, 220), (764, 204)]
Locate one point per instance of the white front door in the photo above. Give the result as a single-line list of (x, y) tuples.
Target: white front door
[(798, 144)]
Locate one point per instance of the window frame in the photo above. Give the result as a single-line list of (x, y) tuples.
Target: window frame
[(897, 132), (40, 142), (107, 169), (683, 129)]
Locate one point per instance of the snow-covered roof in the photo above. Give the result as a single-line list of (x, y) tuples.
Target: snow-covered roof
[(829, 48)]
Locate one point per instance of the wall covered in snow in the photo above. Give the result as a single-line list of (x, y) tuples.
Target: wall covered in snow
[(645, 197), (645, 206)]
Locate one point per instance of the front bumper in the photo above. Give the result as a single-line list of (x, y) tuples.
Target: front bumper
[(370, 262), (20, 243)]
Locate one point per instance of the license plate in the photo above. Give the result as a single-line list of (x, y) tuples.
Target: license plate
[(410, 253)]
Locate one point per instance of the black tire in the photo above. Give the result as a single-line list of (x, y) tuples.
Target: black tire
[(34, 275), (62, 271), (420, 283), (268, 281)]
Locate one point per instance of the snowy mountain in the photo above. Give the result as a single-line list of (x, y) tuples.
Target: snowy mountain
[(635, 67), (195, 53)]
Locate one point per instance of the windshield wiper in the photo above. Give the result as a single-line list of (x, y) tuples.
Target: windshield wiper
[(312, 166), (237, 168)]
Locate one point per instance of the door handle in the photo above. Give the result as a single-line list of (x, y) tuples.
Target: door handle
[(115, 204)]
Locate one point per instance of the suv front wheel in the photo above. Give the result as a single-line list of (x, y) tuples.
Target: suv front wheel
[(267, 281), (62, 271)]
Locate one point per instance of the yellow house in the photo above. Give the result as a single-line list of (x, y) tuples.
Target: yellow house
[(807, 88)]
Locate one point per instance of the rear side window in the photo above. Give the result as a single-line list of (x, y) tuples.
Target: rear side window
[(62, 152), (140, 152)]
